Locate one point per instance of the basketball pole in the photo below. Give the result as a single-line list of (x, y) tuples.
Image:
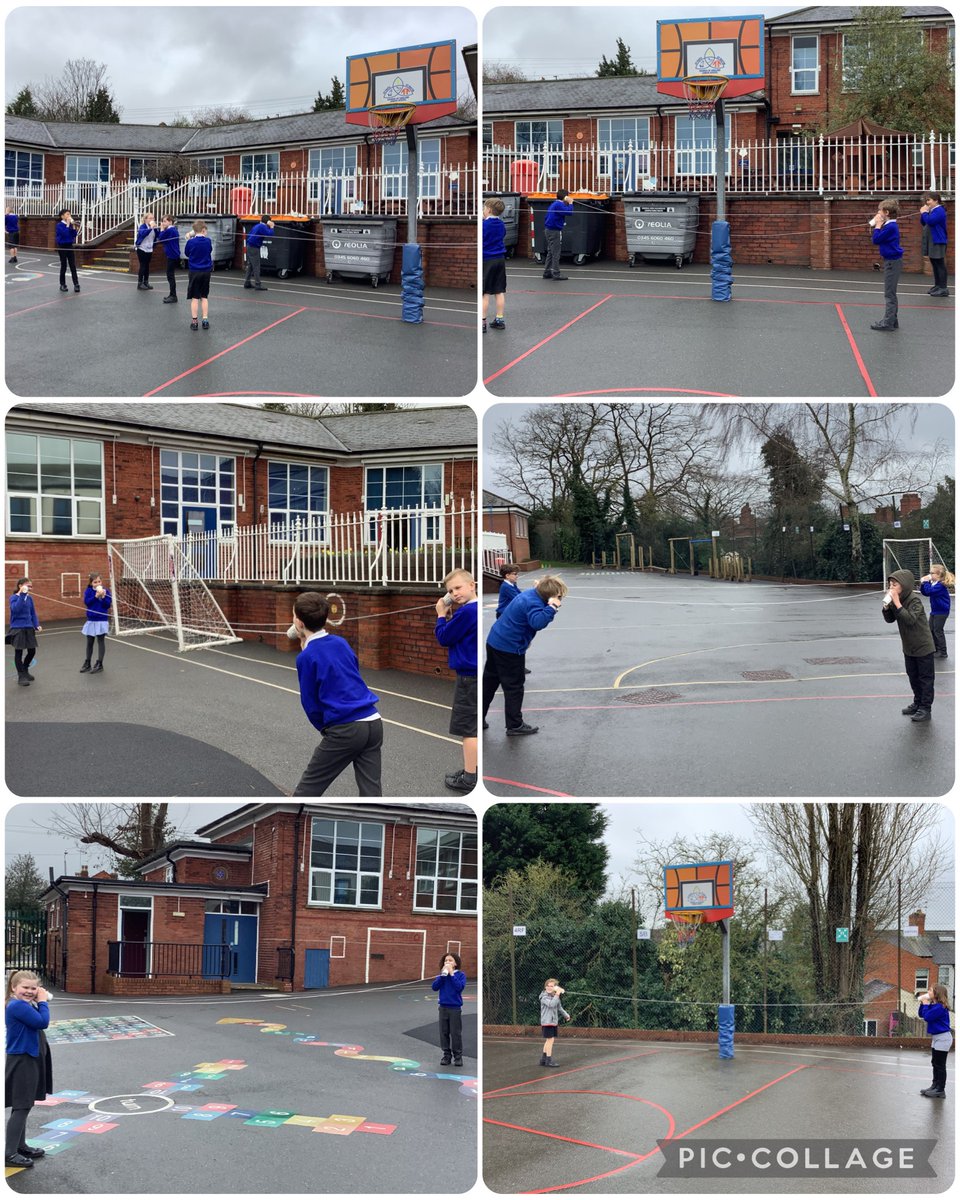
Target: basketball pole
[(721, 262), (725, 1012), (411, 270)]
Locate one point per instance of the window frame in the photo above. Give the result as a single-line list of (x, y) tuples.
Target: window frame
[(462, 881), (430, 529), (393, 169), (72, 496), (795, 70), (333, 870), (173, 523), (31, 183), (318, 518)]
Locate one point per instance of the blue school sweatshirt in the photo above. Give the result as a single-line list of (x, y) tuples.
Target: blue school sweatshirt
[(23, 615), (939, 596), (936, 218), (887, 240), (146, 233), (169, 239), (11, 222), (331, 689), (936, 1016), (256, 235), (450, 988), (66, 234), (198, 251), (494, 233), (557, 214), (97, 610), (459, 635), (24, 1023), (508, 593), (521, 621)]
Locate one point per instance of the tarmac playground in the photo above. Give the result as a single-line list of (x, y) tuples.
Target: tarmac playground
[(302, 337), (612, 331), (223, 721), (647, 684), (592, 1126), (271, 1093)]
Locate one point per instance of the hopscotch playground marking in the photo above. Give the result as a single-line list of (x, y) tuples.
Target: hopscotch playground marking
[(102, 1029)]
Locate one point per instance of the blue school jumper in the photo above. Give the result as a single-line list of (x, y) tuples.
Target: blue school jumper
[(332, 691), (520, 623), (23, 615), (459, 636), (508, 593)]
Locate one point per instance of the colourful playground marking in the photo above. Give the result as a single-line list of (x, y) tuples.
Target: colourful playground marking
[(102, 1029)]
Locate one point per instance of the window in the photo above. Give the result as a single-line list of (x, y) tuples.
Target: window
[(696, 145), (23, 173), (87, 178), (394, 184), (446, 877), (346, 863), (869, 1028), (520, 526), (624, 144), (144, 170), (196, 480), (265, 170), (210, 169), (409, 487), (208, 166), (135, 902), (542, 141), (921, 978), (486, 133), (805, 64), (232, 907), (54, 486), (297, 493), (795, 159), (332, 180)]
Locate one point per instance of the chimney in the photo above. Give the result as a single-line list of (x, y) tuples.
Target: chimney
[(83, 873), (917, 919), (909, 503)]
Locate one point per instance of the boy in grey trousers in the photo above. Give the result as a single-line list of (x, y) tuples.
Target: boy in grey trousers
[(550, 1009)]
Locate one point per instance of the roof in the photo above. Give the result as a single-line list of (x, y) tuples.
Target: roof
[(434, 427), (565, 96), (492, 500), (374, 810), (219, 849), (840, 14), (142, 885), (212, 139)]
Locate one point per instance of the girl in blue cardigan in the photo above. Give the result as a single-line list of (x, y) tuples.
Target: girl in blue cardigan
[(933, 218), (97, 599), (23, 631), (936, 585), (935, 1010), (29, 1074)]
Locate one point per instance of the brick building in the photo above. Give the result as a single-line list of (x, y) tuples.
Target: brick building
[(296, 896), (511, 519), (230, 475), (926, 958)]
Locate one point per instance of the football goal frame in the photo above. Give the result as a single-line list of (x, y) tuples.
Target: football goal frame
[(916, 555)]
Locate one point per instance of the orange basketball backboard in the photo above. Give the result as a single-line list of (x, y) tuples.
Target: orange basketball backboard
[(425, 76), (704, 887), (707, 46)]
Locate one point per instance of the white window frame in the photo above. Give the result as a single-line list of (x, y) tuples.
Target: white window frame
[(75, 498), (431, 526), (268, 180), (226, 526), (86, 189), (29, 188), (315, 872), (795, 70), (549, 152), (867, 1022), (319, 519), (921, 978), (393, 177), (637, 147), (687, 156), (460, 880)]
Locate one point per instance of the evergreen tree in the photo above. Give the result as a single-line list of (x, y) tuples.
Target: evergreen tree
[(100, 108), (621, 65), (22, 885), (336, 99), (566, 836), (23, 105)]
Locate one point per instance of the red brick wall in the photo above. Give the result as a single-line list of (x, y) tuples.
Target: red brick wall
[(199, 869), (881, 963), (173, 985)]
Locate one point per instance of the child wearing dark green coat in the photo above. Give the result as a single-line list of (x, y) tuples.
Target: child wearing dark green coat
[(902, 604)]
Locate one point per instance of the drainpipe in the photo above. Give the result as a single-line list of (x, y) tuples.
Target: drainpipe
[(93, 943), (256, 543), (173, 866), (293, 891), (63, 936)]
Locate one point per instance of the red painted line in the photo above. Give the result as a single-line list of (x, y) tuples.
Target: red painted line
[(529, 787), (557, 1137), (20, 311), (742, 1100), (243, 342), (549, 338), (599, 1065), (345, 312), (209, 395), (657, 391), (871, 390)]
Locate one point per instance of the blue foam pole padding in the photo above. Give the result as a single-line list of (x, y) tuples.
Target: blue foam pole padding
[(411, 278), (721, 262), (725, 1030)]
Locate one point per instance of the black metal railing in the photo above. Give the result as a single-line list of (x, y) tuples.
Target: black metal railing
[(25, 942), (285, 962), (189, 960)]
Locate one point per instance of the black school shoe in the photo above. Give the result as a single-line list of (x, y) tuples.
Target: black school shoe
[(170, 300), (881, 328), (460, 781), (17, 1160), (31, 1151), (922, 714), (523, 730), (446, 1060), (457, 1061)]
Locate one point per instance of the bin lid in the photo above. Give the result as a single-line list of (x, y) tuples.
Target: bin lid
[(570, 196), (273, 217)]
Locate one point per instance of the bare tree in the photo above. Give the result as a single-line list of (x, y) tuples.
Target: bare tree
[(846, 860), (330, 408), (68, 97), (711, 497), (498, 72), (856, 447), (217, 114), (129, 831)]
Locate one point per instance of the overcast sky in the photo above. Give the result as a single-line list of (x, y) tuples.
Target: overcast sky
[(176, 58), (570, 41), (933, 422)]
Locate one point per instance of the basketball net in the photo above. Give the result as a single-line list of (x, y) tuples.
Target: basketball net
[(686, 925), (702, 93), (386, 121)]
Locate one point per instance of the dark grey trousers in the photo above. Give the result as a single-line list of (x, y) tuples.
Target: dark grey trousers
[(937, 622), (451, 1031), (253, 265), (358, 743), (892, 270), (551, 262), (922, 675)]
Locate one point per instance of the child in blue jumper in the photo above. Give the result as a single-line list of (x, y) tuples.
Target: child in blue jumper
[(198, 251), (933, 218), (65, 237), (494, 261), (553, 223), (337, 702), (509, 588), (169, 239), (146, 238), (935, 1010), (886, 237), (97, 600), (11, 224), (255, 239), (24, 627), (450, 984), (936, 585), (456, 629), (29, 1075)]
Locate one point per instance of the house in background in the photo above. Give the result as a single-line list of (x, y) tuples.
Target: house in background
[(925, 958), (379, 505), (291, 896), (506, 535)]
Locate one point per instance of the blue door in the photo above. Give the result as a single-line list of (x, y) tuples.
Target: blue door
[(316, 972), (202, 552), (239, 934)]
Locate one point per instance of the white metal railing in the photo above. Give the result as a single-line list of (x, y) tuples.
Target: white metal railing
[(376, 547), (812, 166)]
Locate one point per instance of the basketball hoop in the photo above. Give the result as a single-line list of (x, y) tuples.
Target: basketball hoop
[(386, 121), (686, 925), (702, 93)]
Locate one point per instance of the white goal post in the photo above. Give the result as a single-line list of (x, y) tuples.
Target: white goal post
[(916, 555), (157, 589)]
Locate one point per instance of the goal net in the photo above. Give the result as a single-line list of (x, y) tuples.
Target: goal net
[(916, 555), (157, 589)]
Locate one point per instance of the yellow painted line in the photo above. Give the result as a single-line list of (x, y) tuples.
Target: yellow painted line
[(265, 683)]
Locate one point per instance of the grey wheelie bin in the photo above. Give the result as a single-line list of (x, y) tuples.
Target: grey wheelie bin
[(359, 248), (661, 227), (221, 230), (510, 217), (286, 250), (583, 230)]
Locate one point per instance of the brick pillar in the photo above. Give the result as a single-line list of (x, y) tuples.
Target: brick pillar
[(821, 236)]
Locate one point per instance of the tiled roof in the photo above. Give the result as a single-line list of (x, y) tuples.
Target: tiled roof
[(564, 96), (492, 500), (407, 429), (835, 14)]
